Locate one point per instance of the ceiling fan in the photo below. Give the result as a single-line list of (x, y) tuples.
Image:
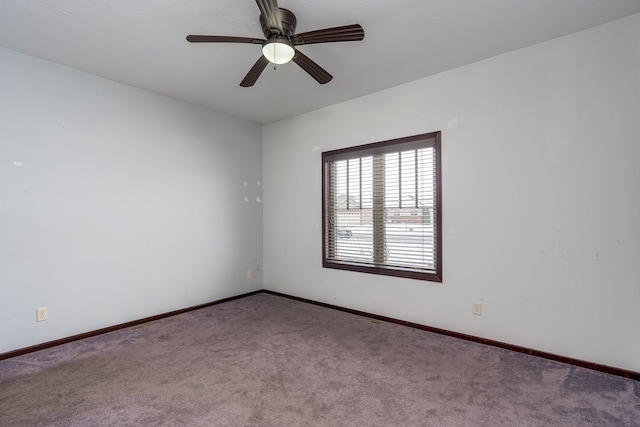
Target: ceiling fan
[(279, 44)]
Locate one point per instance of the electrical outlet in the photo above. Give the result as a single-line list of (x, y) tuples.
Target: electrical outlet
[(249, 274), (42, 314), (477, 308)]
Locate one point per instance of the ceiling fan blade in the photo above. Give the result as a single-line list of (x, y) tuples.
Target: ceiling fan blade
[(271, 12), (254, 72), (314, 70), (222, 39), (337, 34)]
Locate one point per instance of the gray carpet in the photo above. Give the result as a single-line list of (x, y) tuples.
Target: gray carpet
[(265, 360)]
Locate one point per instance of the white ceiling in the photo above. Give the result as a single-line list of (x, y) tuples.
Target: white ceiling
[(142, 43)]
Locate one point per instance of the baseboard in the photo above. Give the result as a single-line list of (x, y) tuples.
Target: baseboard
[(89, 334), (568, 360)]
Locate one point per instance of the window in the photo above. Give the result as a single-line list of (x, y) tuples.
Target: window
[(382, 210)]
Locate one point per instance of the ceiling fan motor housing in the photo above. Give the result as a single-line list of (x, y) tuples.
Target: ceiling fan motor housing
[(289, 22)]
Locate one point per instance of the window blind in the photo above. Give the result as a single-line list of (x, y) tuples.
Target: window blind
[(380, 206)]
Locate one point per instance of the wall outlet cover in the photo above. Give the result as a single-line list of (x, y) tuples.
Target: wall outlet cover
[(42, 314), (477, 308)]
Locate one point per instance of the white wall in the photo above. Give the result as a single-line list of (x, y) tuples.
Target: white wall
[(117, 204), (541, 197)]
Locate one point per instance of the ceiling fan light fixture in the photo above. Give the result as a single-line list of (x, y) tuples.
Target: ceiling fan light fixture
[(278, 51)]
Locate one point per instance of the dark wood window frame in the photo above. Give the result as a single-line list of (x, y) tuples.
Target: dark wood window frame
[(331, 231)]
